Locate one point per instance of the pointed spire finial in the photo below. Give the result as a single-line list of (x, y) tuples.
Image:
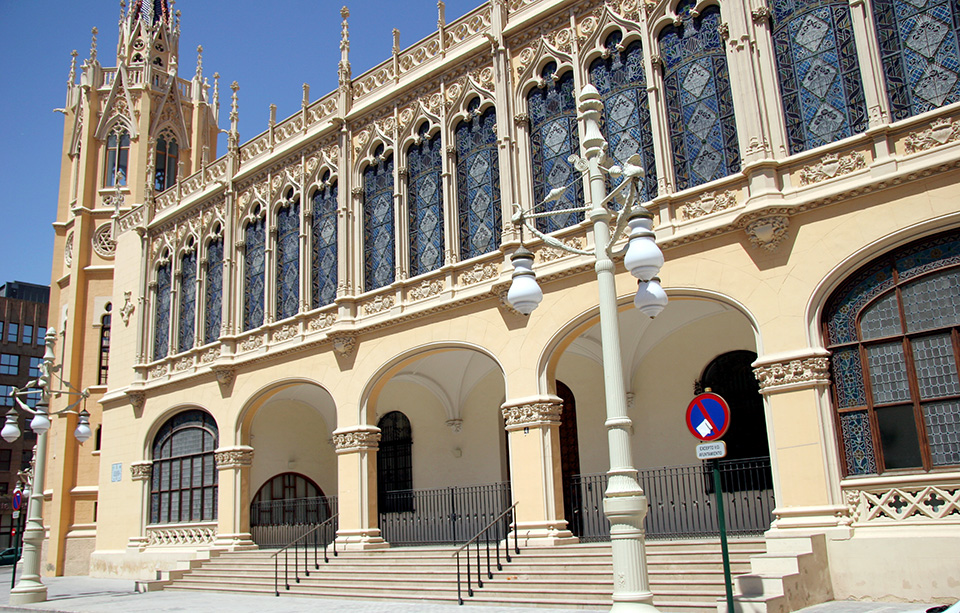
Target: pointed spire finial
[(343, 70), (93, 45), (396, 40), (199, 62), (306, 95), (123, 10), (216, 97), (234, 108), (73, 68), (441, 9)]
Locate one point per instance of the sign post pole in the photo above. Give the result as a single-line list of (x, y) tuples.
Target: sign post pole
[(15, 528), (721, 519)]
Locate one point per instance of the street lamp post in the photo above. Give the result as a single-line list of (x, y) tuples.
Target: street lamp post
[(30, 588), (624, 502)]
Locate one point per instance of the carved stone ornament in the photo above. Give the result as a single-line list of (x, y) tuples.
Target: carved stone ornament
[(224, 373), (791, 373), (158, 371), (233, 457), (532, 414), (322, 322), (940, 132), (500, 290), (200, 535), (455, 425), (426, 289), (710, 202), (831, 166), (137, 399), (378, 305), (68, 249), (103, 242), (365, 438), (768, 232), (252, 343), (210, 355), (920, 504), (761, 15), (127, 309), (549, 254), (141, 471), (284, 333), (343, 342), (480, 273)]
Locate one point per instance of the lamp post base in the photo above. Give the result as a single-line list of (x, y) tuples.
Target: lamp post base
[(633, 607), (28, 591)]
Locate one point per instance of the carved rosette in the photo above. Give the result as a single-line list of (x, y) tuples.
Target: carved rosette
[(361, 438), (141, 471), (793, 373), (532, 414), (768, 232), (831, 166), (233, 457)]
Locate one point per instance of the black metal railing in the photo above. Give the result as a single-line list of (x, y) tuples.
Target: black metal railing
[(277, 522), (682, 502), (498, 529), (448, 515), (320, 536)]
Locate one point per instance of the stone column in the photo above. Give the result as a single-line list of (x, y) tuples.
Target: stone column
[(356, 448), (142, 472), (533, 427), (233, 497)]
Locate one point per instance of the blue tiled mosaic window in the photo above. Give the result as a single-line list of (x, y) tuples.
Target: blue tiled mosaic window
[(425, 203), (161, 322), (622, 84), (188, 301), (818, 72), (919, 51), (895, 377), (288, 260), (478, 183), (324, 244), (213, 312), (703, 132), (253, 274), (379, 241), (553, 139)]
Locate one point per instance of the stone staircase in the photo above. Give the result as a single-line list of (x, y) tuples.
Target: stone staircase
[(685, 575)]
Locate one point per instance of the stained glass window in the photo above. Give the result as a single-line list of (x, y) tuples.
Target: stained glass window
[(104, 361), (183, 482), (378, 236), (622, 84), (161, 322), (424, 170), (253, 275), (188, 301), (818, 72), (325, 244), (703, 131), (553, 139), (167, 157), (919, 52), (214, 305), (478, 182), (895, 378), (288, 260), (118, 151)]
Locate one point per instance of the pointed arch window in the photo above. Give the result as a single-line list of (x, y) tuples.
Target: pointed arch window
[(325, 243), (553, 139), (118, 153), (104, 361), (622, 83), (395, 464), (425, 192), (253, 274), (379, 242), (703, 131), (188, 301), (288, 258), (214, 291), (183, 483), (167, 158), (818, 72), (478, 182), (161, 322)]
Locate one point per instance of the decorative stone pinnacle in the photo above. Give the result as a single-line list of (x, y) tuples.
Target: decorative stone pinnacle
[(441, 10), (199, 62), (344, 12), (396, 40), (73, 68), (93, 45), (234, 107)]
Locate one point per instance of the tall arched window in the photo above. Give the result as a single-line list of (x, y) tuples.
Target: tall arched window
[(305, 502), (167, 158), (161, 321), (188, 300), (395, 464), (893, 330), (183, 484), (478, 182), (703, 131), (622, 84), (378, 237), (104, 361), (553, 139), (253, 274), (818, 72), (118, 152), (425, 168), (288, 258), (325, 243), (213, 311), (920, 53)]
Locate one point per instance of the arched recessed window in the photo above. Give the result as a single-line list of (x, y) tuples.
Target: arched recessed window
[(478, 182), (118, 153), (289, 499), (378, 238), (253, 274), (818, 72), (920, 53), (213, 311), (161, 322), (288, 258), (395, 464), (325, 243), (893, 330), (104, 360), (183, 484), (703, 130), (425, 193), (188, 300), (622, 84), (553, 139), (167, 158)]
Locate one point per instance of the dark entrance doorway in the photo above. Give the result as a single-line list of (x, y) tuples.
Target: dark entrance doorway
[(569, 453)]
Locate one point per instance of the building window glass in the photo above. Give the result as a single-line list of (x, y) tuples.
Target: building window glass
[(324, 243), (34, 371), (118, 150), (184, 479), (188, 301), (893, 330), (9, 364), (161, 324), (267, 508), (214, 279), (13, 332), (622, 83), (288, 259), (425, 192), (104, 362), (6, 400), (41, 335), (920, 53), (253, 275), (395, 464), (478, 182), (27, 335), (378, 238), (703, 131), (5, 460), (167, 158), (553, 139), (1, 329)]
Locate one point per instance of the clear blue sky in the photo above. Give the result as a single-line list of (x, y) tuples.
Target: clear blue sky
[(270, 48)]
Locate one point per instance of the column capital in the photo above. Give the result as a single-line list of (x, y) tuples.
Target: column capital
[(540, 411), (228, 458), (796, 370), (141, 471), (356, 438)]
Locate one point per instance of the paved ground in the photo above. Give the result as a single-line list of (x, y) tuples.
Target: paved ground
[(86, 594)]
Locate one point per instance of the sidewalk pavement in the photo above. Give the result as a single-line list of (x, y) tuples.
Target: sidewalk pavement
[(89, 594)]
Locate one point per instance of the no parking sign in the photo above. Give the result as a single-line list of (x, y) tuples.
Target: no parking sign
[(708, 416)]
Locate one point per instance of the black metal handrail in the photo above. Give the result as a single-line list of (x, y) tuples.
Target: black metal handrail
[(448, 515), (274, 523), (485, 533), (318, 533)]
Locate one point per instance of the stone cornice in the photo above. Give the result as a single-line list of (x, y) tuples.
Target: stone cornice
[(233, 457), (357, 438), (141, 471), (792, 372), (543, 413)]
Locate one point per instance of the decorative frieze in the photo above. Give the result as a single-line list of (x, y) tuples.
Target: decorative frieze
[(378, 305), (210, 355), (532, 414), (768, 232), (921, 504), (426, 289), (158, 371), (233, 457), (141, 471), (189, 536), (322, 322), (709, 202), (804, 371), (831, 166), (284, 333), (252, 342), (362, 438), (548, 254), (940, 132), (183, 364)]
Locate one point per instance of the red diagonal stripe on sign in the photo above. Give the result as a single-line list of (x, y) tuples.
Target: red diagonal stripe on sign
[(706, 416)]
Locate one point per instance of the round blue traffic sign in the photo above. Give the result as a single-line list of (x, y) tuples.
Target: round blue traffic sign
[(708, 416), (17, 499)]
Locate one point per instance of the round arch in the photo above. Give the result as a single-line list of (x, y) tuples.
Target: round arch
[(270, 391)]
